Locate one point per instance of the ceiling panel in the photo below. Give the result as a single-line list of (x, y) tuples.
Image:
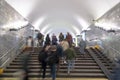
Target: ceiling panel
[(62, 10)]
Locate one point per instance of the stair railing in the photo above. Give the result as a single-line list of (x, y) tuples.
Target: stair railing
[(107, 48), (101, 65), (115, 53), (11, 53)]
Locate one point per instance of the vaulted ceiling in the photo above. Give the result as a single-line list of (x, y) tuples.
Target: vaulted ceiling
[(62, 15)]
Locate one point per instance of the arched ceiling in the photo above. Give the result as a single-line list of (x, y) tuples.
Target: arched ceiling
[(62, 15)]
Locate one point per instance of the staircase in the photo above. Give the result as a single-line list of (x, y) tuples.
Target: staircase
[(86, 68)]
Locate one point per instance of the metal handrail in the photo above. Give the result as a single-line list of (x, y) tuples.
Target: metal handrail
[(4, 62), (10, 50), (111, 47), (7, 52), (101, 65), (114, 49)]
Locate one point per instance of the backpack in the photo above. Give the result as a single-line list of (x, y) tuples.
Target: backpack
[(59, 50), (42, 56), (52, 58)]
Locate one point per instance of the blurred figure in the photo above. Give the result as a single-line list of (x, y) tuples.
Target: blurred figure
[(65, 46), (70, 57), (40, 38), (53, 60), (54, 40), (48, 56), (47, 40), (22, 74), (42, 59), (26, 57), (29, 41), (60, 54), (36, 43), (69, 39), (61, 37), (82, 45)]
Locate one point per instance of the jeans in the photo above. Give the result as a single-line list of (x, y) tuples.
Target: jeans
[(44, 65), (71, 64), (53, 71)]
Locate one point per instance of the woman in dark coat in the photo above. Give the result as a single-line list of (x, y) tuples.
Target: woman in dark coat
[(42, 59), (47, 40)]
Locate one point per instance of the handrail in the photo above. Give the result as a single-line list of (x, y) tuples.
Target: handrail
[(110, 64), (7, 52), (103, 68), (111, 47), (10, 50), (4, 62), (114, 50)]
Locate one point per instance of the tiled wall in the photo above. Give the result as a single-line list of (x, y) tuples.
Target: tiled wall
[(10, 39)]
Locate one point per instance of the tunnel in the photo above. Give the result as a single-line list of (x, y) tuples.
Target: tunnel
[(97, 22)]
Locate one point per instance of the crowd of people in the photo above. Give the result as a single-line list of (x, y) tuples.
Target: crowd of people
[(55, 52), (40, 40)]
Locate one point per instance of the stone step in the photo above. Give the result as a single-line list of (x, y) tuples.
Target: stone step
[(59, 75), (85, 67), (89, 64), (60, 70), (63, 67)]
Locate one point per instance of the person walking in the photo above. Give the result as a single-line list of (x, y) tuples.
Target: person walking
[(70, 57), (43, 54), (54, 39), (52, 60), (61, 37), (47, 40), (82, 45), (69, 39)]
